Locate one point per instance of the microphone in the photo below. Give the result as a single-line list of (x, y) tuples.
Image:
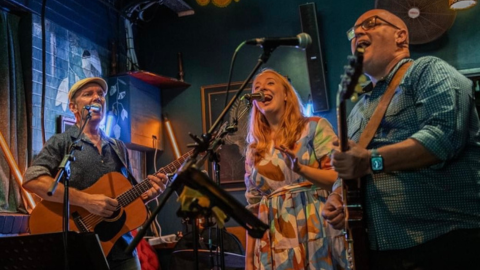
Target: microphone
[(260, 96), (301, 41), (92, 107)]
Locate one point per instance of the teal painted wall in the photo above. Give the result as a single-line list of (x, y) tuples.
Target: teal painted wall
[(208, 39)]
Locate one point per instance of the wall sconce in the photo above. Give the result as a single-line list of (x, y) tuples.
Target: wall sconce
[(461, 4), (171, 137)]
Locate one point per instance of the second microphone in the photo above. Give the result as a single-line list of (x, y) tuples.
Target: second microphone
[(260, 96)]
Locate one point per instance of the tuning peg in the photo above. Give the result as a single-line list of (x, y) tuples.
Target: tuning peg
[(348, 70), (346, 79), (362, 79), (351, 59), (354, 97), (358, 88)]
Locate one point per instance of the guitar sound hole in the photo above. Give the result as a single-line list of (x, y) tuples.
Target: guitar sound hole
[(108, 228), (114, 216)]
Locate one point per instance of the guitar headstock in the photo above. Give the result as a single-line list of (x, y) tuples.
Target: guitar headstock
[(353, 72)]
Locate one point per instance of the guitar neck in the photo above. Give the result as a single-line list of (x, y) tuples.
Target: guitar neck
[(342, 126), (174, 165), (135, 192)]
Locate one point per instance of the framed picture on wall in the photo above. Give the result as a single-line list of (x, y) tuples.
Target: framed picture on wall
[(232, 153), (64, 122)]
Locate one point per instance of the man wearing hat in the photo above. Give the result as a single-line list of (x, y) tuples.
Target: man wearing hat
[(100, 155)]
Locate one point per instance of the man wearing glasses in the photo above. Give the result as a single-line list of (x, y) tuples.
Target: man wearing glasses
[(421, 170)]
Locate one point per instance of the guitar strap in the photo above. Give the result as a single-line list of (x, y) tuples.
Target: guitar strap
[(379, 112), (122, 154)]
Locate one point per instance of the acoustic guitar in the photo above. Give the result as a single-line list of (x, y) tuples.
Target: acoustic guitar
[(131, 213), (352, 189)]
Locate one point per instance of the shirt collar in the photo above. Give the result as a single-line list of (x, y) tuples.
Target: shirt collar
[(387, 79), (400, 63), (74, 130)]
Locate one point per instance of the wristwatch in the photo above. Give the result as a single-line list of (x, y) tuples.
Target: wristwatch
[(376, 161)]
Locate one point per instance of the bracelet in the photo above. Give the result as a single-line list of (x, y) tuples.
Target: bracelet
[(335, 193)]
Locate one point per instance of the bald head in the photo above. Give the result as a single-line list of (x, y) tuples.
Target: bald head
[(384, 37), (387, 16)]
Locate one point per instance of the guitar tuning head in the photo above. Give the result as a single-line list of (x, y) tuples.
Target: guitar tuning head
[(348, 70), (354, 97), (358, 89), (362, 79)]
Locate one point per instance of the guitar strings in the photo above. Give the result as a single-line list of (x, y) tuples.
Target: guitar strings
[(124, 199)]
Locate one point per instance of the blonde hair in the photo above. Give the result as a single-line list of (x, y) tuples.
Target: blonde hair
[(290, 128)]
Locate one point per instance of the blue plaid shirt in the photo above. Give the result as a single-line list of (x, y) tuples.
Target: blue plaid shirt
[(434, 105)]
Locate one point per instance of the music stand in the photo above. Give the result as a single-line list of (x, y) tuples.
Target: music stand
[(45, 251)]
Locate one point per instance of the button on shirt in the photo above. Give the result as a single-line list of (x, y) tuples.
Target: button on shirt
[(434, 105)]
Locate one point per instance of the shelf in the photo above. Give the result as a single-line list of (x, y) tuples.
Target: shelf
[(159, 81)]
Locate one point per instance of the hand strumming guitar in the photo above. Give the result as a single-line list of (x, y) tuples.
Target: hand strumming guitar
[(333, 210)]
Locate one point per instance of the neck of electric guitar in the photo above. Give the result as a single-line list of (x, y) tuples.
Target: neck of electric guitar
[(352, 189)]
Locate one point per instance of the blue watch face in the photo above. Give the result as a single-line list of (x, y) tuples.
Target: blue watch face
[(377, 163)]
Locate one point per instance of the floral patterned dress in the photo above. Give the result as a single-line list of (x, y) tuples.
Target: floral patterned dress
[(298, 236)]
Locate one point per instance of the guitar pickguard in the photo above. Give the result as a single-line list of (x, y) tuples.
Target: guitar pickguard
[(107, 229)]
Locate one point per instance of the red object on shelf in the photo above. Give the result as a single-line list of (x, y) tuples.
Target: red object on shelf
[(159, 81)]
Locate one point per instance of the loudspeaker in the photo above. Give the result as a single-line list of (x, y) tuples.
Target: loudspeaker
[(316, 73), (46, 251)]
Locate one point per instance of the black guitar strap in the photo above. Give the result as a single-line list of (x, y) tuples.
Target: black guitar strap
[(122, 153)]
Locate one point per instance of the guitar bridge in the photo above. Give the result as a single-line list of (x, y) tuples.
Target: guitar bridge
[(77, 219)]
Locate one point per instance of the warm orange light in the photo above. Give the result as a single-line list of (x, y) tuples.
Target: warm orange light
[(171, 136), (29, 202)]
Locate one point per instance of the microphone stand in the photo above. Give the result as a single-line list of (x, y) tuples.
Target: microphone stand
[(215, 158), (64, 173), (189, 175)]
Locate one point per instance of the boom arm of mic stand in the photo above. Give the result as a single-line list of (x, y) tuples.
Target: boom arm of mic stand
[(263, 59)]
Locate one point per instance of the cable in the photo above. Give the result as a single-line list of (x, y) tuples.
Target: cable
[(44, 80), (234, 57)]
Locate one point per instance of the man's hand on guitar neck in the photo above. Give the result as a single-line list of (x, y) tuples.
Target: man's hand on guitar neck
[(353, 163), (159, 182), (333, 210)]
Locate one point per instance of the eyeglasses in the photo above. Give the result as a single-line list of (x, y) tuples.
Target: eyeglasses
[(368, 24)]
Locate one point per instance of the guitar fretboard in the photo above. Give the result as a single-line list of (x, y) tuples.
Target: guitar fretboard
[(135, 192)]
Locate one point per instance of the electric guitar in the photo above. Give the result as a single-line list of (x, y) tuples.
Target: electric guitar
[(131, 213), (352, 189)]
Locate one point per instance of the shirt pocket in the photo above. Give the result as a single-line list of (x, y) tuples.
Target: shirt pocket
[(400, 120)]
